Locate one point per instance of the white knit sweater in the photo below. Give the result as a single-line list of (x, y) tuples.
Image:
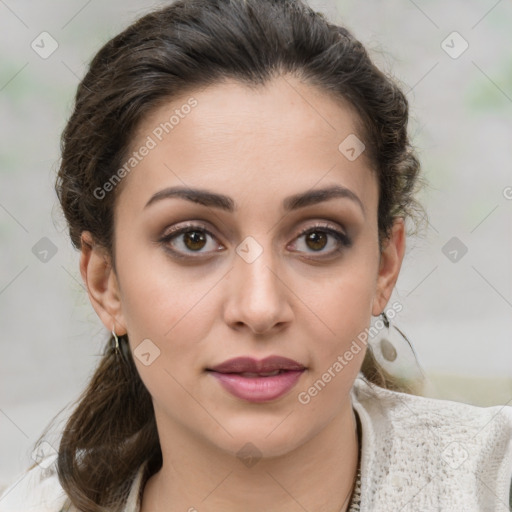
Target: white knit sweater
[(417, 454), (422, 454)]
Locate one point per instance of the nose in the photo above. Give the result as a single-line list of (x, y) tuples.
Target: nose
[(258, 298)]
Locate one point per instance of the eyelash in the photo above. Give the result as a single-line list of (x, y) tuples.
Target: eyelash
[(343, 240)]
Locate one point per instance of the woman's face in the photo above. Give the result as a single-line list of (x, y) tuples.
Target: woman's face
[(245, 281)]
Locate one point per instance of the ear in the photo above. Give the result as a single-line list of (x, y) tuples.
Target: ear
[(101, 283), (390, 262)]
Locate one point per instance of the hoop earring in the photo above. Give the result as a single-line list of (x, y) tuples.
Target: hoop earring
[(116, 348), (394, 352)]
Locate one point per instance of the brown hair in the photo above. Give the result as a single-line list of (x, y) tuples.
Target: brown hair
[(183, 46)]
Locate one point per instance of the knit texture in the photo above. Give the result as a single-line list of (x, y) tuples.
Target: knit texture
[(425, 454)]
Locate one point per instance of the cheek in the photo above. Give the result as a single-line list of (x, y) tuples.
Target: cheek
[(160, 301), (342, 307), (172, 313), (343, 297), (337, 347)]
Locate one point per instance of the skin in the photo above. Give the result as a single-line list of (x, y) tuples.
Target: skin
[(297, 299)]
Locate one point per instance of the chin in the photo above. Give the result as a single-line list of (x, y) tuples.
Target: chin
[(268, 439)]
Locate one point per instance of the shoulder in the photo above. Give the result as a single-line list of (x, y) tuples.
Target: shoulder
[(424, 412), (36, 489), (432, 451)]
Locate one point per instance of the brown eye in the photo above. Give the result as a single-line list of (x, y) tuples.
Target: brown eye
[(316, 240), (194, 240), (185, 241)]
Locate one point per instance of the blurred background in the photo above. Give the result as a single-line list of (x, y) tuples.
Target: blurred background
[(452, 59)]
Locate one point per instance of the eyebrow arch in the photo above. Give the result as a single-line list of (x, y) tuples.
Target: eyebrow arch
[(294, 202)]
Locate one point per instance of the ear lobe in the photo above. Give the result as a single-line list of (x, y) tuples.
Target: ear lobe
[(101, 283), (389, 268)]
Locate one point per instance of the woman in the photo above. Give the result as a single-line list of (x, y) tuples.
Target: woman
[(237, 176)]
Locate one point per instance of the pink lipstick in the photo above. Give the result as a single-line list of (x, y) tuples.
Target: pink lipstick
[(258, 381)]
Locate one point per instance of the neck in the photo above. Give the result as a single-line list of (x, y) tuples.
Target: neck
[(317, 476)]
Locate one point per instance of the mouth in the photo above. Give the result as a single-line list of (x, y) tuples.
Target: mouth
[(262, 367), (258, 381), (263, 374)]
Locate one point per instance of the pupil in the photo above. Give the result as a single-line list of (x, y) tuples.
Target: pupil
[(194, 237), (314, 237)]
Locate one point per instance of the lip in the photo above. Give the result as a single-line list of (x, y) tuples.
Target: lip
[(248, 364), (239, 376)]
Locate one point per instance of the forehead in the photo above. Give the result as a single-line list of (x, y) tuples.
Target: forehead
[(254, 140)]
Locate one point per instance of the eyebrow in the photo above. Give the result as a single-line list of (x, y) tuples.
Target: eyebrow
[(223, 202)]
